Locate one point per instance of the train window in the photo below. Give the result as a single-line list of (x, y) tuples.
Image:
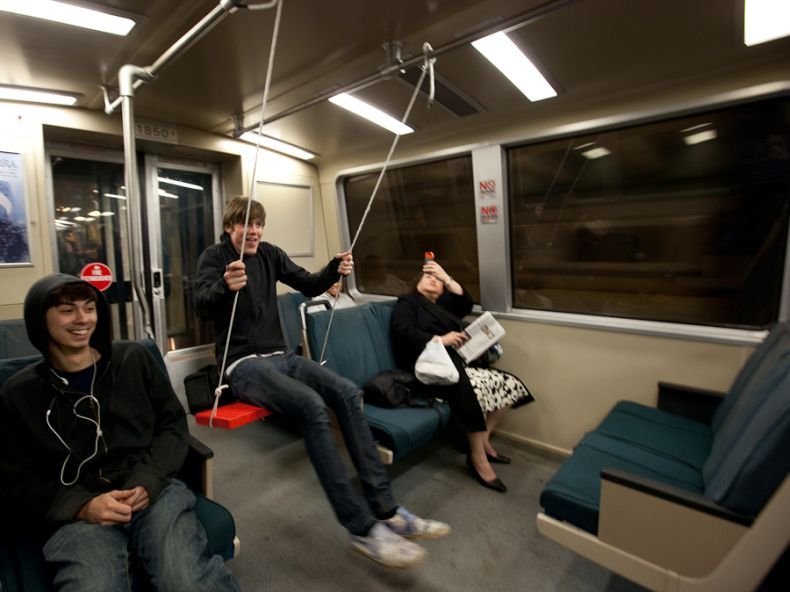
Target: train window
[(683, 220), (425, 207)]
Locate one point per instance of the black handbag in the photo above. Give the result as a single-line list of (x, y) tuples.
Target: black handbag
[(393, 388), (199, 387)]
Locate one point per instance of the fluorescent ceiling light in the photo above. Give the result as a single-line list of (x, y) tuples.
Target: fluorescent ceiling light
[(592, 150), (68, 14), (509, 59), (371, 113), (277, 145), (700, 137), (114, 196), (34, 95), (164, 193), (179, 183), (765, 20), (596, 152), (699, 133)]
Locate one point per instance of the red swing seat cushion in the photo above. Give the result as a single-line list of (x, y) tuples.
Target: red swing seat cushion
[(233, 415)]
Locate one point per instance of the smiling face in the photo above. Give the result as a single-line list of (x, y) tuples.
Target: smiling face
[(252, 240), (430, 287), (239, 210), (70, 324)]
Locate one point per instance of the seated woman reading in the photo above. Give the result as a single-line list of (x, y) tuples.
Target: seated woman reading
[(434, 310)]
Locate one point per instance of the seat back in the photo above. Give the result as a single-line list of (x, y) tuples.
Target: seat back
[(751, 437), (290, 323), (358, 346), (765, 357), (13, 340)]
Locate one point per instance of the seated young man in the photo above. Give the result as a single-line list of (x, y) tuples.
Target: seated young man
[(90, 439), (260, 371)]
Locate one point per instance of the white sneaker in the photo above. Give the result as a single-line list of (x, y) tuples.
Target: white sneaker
[(386, 547), (409, 526)]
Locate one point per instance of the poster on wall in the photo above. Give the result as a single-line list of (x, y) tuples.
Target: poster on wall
[(14, 236)]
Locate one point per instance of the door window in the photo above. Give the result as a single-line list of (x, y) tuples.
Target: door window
[(90, 227)]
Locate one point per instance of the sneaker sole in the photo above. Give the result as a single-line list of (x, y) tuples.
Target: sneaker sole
[(426, 537), (390, 565)]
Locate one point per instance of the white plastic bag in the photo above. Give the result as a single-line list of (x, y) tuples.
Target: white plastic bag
[(434, 365)]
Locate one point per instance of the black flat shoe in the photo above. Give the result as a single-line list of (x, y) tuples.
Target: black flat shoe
[(496, 484), (499, 459)]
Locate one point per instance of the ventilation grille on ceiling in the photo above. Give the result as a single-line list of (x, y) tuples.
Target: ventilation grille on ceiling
[(446, 94)]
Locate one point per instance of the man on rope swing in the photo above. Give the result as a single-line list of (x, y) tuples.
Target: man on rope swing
[(260, 371)]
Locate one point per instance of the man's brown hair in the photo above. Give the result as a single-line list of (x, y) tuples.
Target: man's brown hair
[(236, 212)]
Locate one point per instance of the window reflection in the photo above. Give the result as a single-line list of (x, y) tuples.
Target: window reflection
[(683, 220), (424, 207)]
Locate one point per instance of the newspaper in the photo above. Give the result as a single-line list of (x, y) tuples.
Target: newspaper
[(484, 332)]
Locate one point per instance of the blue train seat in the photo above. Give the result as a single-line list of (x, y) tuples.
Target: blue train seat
[(21, 563), (358, 348), (13, 340), (654, 495)]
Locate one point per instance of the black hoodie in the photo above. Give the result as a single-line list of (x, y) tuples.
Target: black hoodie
[(257, 321), (143, 426)]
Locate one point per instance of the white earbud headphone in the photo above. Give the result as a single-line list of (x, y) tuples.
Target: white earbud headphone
[(96, 422)]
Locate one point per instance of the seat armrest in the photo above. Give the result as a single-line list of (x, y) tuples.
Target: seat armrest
[(674, 495), (665, 525), (690, 402), (198, 468)]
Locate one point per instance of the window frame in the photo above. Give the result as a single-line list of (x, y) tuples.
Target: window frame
[(494, 239)]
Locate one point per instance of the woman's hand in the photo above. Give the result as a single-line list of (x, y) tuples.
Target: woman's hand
[(453, 338), (436, 270)]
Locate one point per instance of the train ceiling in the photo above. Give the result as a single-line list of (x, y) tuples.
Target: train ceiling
[(592, 51)]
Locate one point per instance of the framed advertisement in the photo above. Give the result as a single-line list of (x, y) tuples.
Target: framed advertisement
[(14, 229)]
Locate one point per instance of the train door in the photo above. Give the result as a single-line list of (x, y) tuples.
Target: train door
[(181, 223), (89, 229)]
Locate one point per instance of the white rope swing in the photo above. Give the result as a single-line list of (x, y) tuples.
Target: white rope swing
[(428, 67), (264, 100)]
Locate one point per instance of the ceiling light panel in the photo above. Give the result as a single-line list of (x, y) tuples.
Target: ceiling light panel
[(69, 14), (276, 145), (35, 95), (511, 61), (765, 20), (371, 113)]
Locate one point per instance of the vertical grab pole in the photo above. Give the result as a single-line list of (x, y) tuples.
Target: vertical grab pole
[(127, 76)]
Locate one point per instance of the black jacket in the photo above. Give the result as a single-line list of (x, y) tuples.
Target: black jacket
[(257, 322), (415, 320), (144, 429)]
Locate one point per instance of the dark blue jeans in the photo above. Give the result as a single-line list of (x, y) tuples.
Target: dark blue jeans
[(165, 540), (296, 387)]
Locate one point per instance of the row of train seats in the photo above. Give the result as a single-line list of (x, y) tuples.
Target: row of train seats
[(678, 504), (21, 563), (358, 348)]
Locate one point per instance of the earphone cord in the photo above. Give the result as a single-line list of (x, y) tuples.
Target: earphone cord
[(97, 422)]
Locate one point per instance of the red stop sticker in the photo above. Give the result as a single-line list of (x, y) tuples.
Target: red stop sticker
[(98, 275)]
